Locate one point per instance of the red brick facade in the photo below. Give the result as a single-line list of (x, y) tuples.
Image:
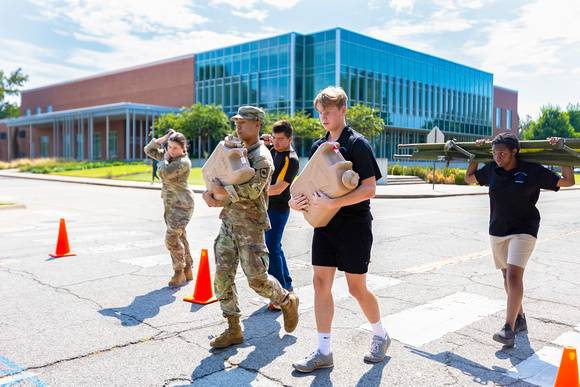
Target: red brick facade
[(167, 83), (506, 100)]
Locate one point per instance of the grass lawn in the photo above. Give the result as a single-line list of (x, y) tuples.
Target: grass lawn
[(127, 172), (5, 204)]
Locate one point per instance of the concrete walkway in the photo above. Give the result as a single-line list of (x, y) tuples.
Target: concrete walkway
[(404, 191)]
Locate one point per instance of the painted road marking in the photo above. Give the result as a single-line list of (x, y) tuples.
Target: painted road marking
[(339, 290), (424, 323), (27, 377), (100, 236), (541, 368), (150, 261), (112, 248), (476, 255), (10, 374)]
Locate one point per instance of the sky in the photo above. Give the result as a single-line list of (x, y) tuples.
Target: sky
[(530, 46)]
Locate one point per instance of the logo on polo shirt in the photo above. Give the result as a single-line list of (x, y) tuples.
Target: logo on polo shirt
[(519, 177)]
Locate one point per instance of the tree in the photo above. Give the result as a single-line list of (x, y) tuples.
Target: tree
[(573, 111), (10, 86), (305, 127), (365, 120), (203, 123), (553, 122), (524, 125)]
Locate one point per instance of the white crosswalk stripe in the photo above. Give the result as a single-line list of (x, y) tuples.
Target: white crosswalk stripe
[(424, 323), (149, 261), (339, 290), (541, 368)]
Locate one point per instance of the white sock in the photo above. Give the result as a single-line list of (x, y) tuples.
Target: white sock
[(379, 329), (324, 343)]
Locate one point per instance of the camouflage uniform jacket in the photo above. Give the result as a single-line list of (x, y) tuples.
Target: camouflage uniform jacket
[(173, 174), (247, 204)]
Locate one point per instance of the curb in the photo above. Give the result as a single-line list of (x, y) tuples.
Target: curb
[(201, 189)]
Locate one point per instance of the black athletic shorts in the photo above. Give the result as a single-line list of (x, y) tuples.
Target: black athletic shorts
[(344, 244)]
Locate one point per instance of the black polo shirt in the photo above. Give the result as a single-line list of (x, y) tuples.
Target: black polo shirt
[(513, 196), (355, 148), (285, 169)]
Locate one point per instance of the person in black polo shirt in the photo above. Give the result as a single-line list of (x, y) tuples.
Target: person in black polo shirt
[(514, 189), (345, 243), (285, 169)]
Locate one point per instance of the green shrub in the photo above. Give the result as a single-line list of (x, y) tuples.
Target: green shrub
[(442, 176), (51, 166)]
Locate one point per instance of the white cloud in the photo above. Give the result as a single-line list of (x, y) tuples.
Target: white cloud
[(253, 4), (254, 14), (140, 16), (537, 53), (413, 34), (402, 5), (40, 64), (282, 4), (237, 4), (534, 43), (127, 33)]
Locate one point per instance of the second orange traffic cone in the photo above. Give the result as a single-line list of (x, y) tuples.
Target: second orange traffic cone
[(203, 292), (568, 371), (62, 246)]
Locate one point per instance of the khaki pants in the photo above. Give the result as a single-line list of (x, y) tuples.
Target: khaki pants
[(513, 249)]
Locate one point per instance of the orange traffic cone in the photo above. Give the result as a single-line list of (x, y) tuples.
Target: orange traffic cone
[(568, 371), (62, 247), (203, 293)]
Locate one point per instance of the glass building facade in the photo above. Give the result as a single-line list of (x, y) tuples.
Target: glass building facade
[(413, 91)]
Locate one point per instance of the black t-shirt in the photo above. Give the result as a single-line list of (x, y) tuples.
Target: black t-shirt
[(513, 196), (355, 148), (285, 169)]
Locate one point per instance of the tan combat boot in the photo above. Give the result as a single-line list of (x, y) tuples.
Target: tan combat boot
[(188, 273), (290, 312), (232, 335), (178, 279)]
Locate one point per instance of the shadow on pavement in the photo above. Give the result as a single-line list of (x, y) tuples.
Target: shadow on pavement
[(142, 307), (479, 373), (261, 332)]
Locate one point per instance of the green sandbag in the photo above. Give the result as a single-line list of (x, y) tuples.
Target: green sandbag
[(573, 143), (566, 152)]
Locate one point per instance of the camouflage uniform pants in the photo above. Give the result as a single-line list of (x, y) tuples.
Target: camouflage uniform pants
[(176, 220), (240, 244)]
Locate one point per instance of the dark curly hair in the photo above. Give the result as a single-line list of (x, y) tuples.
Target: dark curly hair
[(508, 139)]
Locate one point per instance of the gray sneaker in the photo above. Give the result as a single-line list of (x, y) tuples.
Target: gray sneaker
[(314, 361), (379, 346)]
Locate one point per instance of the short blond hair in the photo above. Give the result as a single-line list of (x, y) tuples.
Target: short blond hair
[(331, 96)]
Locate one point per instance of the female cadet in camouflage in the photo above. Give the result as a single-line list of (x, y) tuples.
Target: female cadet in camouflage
[(241, 238), (173, 170)]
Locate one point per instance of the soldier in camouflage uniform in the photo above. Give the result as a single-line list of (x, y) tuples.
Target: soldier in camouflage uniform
[(241, 238), (173, 169)]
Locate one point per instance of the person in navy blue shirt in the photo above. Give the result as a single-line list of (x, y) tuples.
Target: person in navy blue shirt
[(286, 165), (514, 220)]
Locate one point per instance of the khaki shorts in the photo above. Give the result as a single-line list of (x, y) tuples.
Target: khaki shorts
[(513, 249)]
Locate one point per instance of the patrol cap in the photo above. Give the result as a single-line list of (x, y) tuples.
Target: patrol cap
[(250, 113)]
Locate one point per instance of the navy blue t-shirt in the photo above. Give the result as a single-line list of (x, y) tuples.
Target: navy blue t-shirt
[(286, 165), (513, 196), (355, 148)]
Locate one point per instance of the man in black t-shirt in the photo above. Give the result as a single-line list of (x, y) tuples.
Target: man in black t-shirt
[(514, 220), (285, 169), (345, 243)]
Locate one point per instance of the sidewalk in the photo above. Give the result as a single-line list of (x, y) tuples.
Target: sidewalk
[(405, 191)]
